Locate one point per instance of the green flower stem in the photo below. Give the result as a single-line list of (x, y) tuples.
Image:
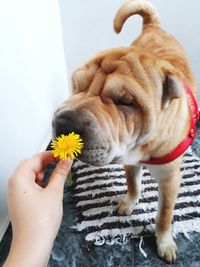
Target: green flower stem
[(70, 178)]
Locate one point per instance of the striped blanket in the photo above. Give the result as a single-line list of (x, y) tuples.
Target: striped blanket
[(97, 190)]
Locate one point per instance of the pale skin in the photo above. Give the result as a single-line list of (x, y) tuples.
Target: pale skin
[(35, 211)]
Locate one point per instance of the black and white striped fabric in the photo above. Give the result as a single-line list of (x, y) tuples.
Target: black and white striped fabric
[(97, 191)]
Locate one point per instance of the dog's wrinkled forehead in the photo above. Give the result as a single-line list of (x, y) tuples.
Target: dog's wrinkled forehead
[(126, 69), (133, 74), (92, 76), (123, 61)]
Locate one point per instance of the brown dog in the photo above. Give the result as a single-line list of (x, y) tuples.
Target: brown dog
[(129, 105)]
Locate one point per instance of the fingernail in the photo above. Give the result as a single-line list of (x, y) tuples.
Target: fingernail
[(64, 164)]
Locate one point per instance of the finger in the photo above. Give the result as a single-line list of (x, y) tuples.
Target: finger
[(41, 183), (36, 164), (20, 164), (29, 169), (40, 176), (39, 161), (59, 175)]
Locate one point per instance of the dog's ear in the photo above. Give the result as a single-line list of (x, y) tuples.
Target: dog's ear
[(172, 89), (82, 77)]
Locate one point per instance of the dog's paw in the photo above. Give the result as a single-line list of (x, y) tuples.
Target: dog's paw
[(167, 250), (126, 205)]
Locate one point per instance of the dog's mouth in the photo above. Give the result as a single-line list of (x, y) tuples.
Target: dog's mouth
[(96, 155)]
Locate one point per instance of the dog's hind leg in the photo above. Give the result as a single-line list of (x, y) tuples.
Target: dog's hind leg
[(126, 204)]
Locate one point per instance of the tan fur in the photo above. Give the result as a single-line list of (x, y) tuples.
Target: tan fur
[(151, 121), (134, 191), (143, 8), (127, 204)]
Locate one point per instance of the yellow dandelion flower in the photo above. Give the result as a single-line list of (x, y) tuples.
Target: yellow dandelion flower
[(67, 146)]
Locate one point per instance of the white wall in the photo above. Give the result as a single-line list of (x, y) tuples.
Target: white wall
[(32, 82), (88, 28)]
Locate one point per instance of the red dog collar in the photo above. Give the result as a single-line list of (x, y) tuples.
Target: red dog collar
[(180, 149)]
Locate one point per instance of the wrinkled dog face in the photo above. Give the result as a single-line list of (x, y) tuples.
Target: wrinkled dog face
[(118, 100), (103, 110)]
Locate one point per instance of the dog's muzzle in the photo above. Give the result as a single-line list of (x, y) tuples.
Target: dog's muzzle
[(97, 146), (68, 121)]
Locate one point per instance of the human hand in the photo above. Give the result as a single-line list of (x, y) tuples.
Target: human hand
[(35, 212)]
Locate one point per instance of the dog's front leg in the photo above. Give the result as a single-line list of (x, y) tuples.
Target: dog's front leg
[(126, 204), (168, 186)]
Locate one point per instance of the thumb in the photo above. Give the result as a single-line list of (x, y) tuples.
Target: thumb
[(59, 175)]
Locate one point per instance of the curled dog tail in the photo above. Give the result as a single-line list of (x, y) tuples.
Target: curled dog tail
[(134, 7)]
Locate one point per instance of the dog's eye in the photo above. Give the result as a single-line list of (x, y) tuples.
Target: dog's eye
[(121, 102)]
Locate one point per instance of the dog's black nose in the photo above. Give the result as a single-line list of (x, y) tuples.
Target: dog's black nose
[(67, 122)]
